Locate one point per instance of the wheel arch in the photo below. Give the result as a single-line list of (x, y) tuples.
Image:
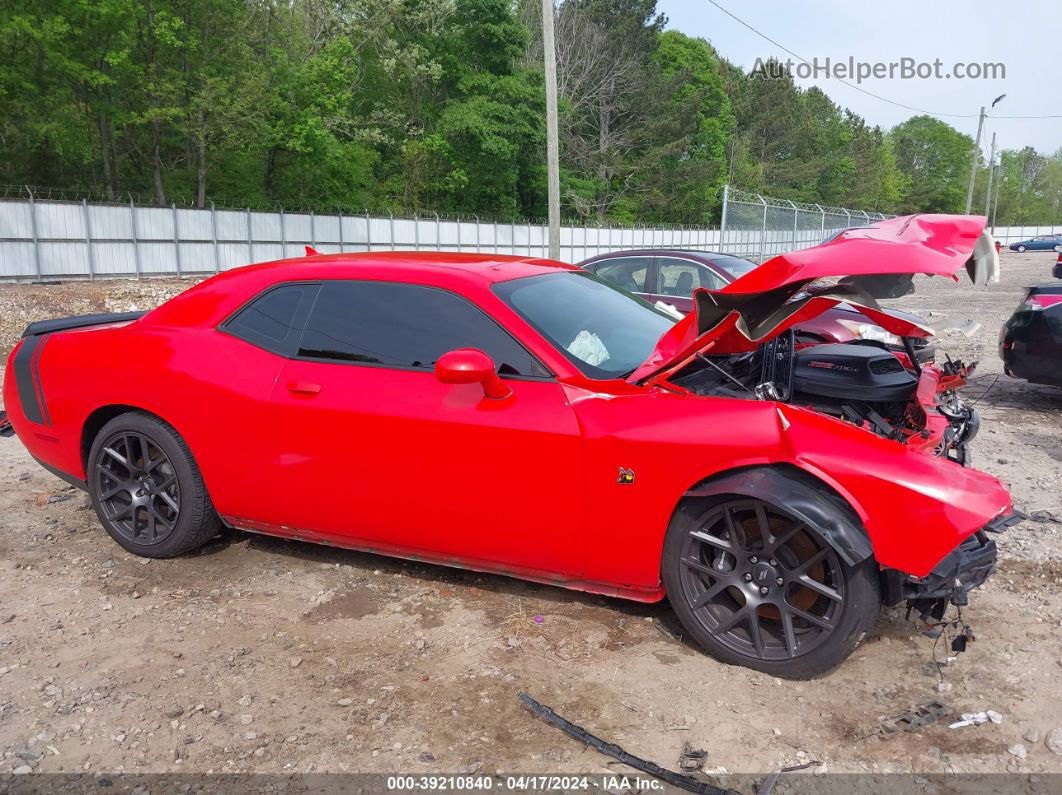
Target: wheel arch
[(100, 416), (803, 494)]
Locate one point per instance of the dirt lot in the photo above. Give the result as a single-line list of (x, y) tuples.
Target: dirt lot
[(264, 655)]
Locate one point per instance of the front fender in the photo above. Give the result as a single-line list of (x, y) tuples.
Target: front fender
[(916, 507), (821, 509)]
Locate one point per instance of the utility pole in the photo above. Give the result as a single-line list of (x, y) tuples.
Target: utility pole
[(995, 207), (549, 54), (991, 172), (973, 165)]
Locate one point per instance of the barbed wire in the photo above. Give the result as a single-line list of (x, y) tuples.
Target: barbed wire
[(738, 196)]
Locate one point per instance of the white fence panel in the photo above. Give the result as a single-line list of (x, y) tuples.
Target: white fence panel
[(70, 239)]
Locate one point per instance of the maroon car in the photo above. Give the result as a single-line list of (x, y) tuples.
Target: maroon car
[(671, 275)]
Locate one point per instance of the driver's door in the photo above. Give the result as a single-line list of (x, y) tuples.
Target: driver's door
[(376, 453)]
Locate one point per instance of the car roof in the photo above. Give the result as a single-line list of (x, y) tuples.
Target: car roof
[(209, 301), (488, 267), (707, 256)]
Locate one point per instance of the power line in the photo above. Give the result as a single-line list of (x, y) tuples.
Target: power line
[(801, 58)]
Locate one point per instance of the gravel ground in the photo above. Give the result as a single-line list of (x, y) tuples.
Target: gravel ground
[(257, 654)]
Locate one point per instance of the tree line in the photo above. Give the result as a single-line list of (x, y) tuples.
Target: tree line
[(415, 106)]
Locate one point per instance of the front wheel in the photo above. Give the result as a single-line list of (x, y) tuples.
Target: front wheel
[(1021, 249), (147, 489), (755, 586)]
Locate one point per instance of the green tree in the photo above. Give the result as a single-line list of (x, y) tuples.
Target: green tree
[(935, 159)]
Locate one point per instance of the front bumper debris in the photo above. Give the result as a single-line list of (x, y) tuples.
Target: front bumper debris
[(966, 567)]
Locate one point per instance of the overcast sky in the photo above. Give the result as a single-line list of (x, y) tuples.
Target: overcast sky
[(1025, 35)]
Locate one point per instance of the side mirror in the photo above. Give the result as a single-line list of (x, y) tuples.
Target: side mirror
[(471, 366)]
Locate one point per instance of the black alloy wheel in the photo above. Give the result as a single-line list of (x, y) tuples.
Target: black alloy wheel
[(756, 586), (137, 488), (147, 488)]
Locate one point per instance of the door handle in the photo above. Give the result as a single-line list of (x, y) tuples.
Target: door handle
[(304, 387)]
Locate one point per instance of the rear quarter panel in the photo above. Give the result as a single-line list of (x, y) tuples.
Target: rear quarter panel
[(211, 387)]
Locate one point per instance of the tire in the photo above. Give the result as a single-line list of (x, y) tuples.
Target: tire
[(155, 503), (801, 631), (1058, 248), (1021, 249)]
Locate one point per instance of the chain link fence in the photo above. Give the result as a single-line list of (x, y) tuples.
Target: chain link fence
[(758, 227)]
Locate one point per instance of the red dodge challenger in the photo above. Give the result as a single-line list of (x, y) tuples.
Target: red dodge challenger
[(525, 417)]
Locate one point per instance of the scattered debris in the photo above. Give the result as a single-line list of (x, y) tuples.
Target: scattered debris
[(769, 782), (1018, 750), (967, 328), (909, 721), (691, 759), (977, 718), (687, 783)]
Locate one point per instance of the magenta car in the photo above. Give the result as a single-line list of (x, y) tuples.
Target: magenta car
[(671, 275)]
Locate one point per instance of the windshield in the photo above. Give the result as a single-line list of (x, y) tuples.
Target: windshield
[(603, 330), (735, 266)]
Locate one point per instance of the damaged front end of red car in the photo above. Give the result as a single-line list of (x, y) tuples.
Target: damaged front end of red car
[(963, 569), (739, 343)]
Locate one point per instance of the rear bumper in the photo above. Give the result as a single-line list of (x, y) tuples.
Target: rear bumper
[(1030, 349)]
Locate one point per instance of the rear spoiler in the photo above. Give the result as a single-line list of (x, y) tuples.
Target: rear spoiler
[(79, 321)]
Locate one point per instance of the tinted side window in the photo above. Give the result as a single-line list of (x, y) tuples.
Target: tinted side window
[(274, 319), (626, 272), (679, 277), (404, 325)]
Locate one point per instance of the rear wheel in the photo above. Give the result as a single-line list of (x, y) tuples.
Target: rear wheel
[(757, 587), (146, 488)]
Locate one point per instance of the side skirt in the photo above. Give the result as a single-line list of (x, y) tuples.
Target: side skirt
[(471, 564)]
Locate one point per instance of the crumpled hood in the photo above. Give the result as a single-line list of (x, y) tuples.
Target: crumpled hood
[(867, 263)]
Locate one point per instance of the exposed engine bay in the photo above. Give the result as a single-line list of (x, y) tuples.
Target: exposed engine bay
[(861, 382)]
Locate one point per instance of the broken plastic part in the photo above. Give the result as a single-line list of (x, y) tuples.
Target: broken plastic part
[(916, 718), (616, 752), (6, 429), (692, 759)]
